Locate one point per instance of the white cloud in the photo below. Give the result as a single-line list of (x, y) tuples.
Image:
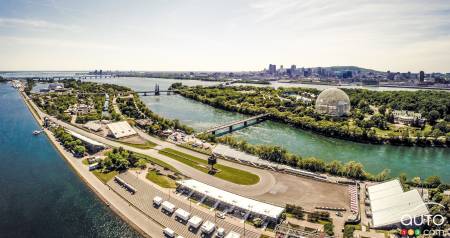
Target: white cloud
[(35, 24)]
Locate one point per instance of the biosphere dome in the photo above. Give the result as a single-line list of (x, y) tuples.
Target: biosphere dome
[(334, 102)]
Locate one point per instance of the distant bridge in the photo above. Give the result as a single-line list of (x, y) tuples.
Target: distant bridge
[(245, 122), (156, 93), (56, 78)]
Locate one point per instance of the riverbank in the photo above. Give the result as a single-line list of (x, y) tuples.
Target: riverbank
[(141, 223)]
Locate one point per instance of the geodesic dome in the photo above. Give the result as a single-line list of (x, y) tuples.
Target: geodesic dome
[(334, 102)]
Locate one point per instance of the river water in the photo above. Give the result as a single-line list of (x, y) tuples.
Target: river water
[(415, 161), (41, 196)]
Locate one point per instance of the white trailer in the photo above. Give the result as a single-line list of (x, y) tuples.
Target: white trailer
[(167, 206), (94, 166), (195, 222), (182, 214), (157, 200), (169, 232), (208, 227), (233, 234)]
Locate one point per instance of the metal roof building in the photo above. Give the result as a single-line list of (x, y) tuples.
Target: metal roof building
[(389, 204), (253, 206), (91, 144), (121, 129)]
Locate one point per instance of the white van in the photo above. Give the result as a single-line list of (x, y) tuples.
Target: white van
[(182, 214), (169, 232), (167, 206), (195, 222), (208, 227), (157, 201)]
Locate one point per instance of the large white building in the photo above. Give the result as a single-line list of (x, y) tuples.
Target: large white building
[(121, 129), (389, 204), (264, 210)]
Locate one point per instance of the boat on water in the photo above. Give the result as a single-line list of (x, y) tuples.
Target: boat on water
[(37, 132)]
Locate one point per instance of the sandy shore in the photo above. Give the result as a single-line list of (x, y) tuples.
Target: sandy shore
[(144, 225)]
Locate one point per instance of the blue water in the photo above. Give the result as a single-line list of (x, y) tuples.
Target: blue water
[(40, 195)]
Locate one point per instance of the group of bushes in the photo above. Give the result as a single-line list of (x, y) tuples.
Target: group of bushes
[(69, 142)]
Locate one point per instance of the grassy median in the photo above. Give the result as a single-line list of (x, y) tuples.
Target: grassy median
[(225, 172), (105, 177), (161, 180), (145, 146)]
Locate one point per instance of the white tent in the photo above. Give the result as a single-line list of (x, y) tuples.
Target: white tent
[(121, 129), (389, 204), (232, 199)]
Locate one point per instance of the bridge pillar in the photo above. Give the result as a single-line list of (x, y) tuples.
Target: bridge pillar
[(213, 132), (230, 129), (245, 123)]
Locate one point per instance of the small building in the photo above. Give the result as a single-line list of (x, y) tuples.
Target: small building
[(120, 129), (56, 86), (93, 126), (83, 109), (92, 145), (408, 118), (144, 122)]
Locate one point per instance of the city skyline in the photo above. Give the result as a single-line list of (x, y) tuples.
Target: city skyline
[(233, 36)]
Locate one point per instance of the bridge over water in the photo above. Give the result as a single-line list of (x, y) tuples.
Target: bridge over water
[(232, 125)]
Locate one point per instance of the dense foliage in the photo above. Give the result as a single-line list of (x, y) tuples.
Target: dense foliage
[(370, 120), (119, 159), (69, 142)]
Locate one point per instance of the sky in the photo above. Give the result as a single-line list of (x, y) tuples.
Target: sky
[(227, 35)]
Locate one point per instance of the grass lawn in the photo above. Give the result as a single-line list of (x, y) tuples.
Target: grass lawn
[(190, 147), (157, 161), (147, 145), (161, 180), (105, 177), (85, 162), (226, 173)]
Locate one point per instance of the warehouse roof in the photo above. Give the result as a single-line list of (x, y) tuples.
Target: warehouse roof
[(389, 203), (85, 139), (121, 129), (233, 199)]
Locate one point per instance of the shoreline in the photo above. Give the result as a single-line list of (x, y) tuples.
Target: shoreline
[(100, 196)]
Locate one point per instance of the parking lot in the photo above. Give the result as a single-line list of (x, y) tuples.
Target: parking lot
[(143, 200)]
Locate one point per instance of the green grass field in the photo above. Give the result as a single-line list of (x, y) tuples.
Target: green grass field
[(161, 180), (105, 177), (157, 161), (147, 145), (226, 173)]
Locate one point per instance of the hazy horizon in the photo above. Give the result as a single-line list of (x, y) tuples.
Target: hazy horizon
[(195, 35)]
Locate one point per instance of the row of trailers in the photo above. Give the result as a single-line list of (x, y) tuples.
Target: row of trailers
[(125, 185), (207, 228)]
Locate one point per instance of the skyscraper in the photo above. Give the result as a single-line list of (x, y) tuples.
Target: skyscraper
[(421, 76), (272, 69), (293, 71)]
